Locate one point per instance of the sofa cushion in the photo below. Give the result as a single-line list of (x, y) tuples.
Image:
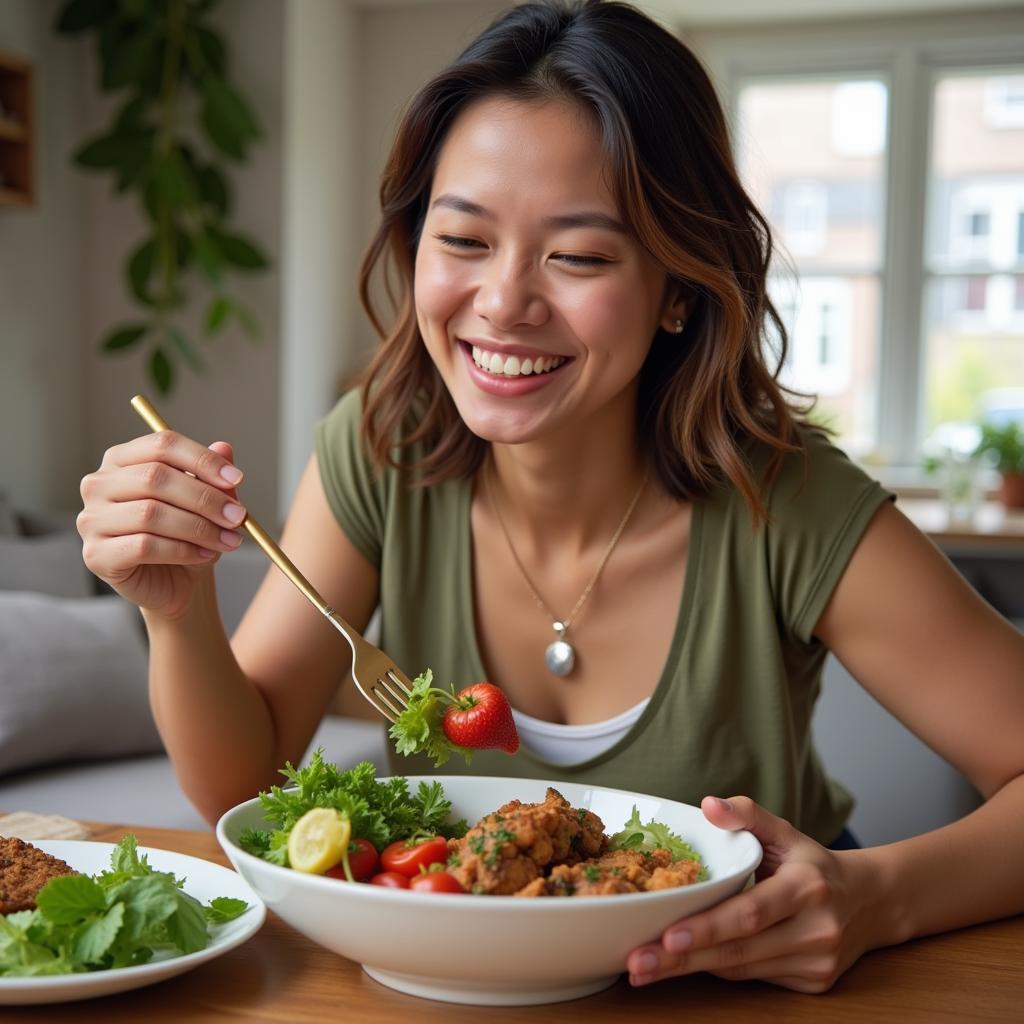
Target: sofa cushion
[(73, 680), (48, 565)]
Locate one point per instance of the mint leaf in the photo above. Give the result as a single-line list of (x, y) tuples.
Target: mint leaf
[(186, 927), (224, 908), (97, 935), (70, 898)]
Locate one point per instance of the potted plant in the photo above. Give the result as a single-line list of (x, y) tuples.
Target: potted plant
[(1004, 446)]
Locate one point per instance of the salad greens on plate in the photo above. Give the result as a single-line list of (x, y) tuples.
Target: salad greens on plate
[(121, 917)]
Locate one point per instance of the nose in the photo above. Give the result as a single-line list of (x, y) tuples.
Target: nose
[(508, 296)]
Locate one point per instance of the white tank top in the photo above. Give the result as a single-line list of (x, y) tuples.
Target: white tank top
[(574, 744)]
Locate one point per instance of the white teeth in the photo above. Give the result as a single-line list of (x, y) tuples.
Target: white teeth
[(513, 366)]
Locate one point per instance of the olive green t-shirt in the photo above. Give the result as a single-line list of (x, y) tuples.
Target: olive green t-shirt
[(731, 711)]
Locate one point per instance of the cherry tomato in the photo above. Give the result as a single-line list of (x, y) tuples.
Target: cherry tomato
[(407, 860), (390, 880), (435, 881), (362, 859)]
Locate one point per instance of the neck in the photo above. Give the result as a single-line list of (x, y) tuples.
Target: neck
[(566, 494)]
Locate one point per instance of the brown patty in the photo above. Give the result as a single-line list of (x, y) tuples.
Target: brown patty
[(24, 870)]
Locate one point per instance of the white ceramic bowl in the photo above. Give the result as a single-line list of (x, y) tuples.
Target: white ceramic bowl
[(496, 950)]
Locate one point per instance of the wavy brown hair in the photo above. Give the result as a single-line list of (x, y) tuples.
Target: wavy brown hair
[(703, 395)]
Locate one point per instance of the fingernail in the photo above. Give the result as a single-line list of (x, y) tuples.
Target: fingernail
[(231, 473), (676, 942), (233, 513), (645, 963), (232, 540)]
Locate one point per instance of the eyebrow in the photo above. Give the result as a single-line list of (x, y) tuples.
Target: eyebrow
[(562, 221)]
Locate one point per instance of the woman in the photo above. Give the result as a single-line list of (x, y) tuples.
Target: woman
[(570, 470)]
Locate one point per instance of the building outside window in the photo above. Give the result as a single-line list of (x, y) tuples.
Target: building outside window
[(892, 171)]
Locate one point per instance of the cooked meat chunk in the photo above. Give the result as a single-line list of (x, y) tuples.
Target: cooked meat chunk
[(615, 871), (24, 870), (553, 849), (510, 848)]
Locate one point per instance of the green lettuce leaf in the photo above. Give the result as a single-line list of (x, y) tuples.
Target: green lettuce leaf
[(653, 836)]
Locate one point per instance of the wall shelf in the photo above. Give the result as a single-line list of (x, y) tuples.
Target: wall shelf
[(17, 136)]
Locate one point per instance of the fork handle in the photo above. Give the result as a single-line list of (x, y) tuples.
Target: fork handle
[(156, 423)]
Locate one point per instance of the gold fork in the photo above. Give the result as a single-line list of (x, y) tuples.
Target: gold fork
[(389, 690)]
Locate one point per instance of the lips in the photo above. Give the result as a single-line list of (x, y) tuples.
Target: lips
[(516, 372)]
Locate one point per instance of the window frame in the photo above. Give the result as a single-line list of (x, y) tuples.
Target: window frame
[(909, 54)]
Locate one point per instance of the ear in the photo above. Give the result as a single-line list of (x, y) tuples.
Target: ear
[(676, 307)]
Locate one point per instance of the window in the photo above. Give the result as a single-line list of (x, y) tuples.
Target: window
[(976, 170), (890, 165), (829, 229)]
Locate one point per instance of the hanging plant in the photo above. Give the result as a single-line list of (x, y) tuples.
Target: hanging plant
[(179, 120)]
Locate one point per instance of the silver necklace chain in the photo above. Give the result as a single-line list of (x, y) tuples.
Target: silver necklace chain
[(560, 655)]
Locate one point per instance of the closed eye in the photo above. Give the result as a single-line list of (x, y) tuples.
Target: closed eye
[(574, 260), (459, 242)]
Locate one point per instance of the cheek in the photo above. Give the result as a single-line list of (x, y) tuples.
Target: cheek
[(437, 288)]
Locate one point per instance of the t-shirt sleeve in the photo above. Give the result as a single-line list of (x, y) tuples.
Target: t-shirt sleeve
[(819, 509), (355, 491)]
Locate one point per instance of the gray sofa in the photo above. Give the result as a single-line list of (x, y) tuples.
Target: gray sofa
[(77, 737)]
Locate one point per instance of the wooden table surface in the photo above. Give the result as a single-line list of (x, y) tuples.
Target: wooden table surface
[(976, 974)]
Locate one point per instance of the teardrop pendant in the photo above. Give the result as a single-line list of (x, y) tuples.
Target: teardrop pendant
[(560, 655)]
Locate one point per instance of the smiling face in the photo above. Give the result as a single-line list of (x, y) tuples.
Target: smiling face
[(536, 304)]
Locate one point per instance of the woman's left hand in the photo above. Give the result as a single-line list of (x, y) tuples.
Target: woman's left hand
[(805, 921)]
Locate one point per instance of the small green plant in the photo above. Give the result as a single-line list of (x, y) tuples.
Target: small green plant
[(178, 120), (1005, 444)]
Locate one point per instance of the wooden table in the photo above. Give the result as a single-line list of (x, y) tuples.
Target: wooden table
[(976, 974)]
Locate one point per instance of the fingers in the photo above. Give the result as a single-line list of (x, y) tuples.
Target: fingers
[(174, 449)]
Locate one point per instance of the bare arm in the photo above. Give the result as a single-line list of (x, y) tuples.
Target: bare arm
[(232, 714), (930, 650)]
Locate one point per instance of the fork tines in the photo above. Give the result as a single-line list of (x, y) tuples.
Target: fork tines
[(392, 693)]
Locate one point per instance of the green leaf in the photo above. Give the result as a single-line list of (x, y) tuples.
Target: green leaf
[(70, 899), (654, 835), (79, 15), (212, 49), (186, 927), (98, 934), (209, 257), (161, 371), (141, 265), (138, 49), (217, 314), (227, 119), (172, 183), (213, 190), (224, 908), (124, 338), (188, 352), (113, 149), (238, 251)]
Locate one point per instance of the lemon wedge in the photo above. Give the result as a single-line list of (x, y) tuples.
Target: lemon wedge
[(318, 840)]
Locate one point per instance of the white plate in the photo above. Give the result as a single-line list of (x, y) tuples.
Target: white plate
[(203, 880)]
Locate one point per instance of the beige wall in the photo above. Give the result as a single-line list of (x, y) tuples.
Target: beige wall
[(61, 290), (41, 354)]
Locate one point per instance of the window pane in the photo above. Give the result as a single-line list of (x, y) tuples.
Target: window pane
[(822, 187), (831, 323), (823, 190), (974, 312)]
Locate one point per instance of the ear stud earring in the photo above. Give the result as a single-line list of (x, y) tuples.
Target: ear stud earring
[(678, 328)]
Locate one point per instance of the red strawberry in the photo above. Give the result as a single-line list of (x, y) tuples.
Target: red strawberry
[(481, 718)]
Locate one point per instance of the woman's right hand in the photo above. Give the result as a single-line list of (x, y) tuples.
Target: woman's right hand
[(156, 515)]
